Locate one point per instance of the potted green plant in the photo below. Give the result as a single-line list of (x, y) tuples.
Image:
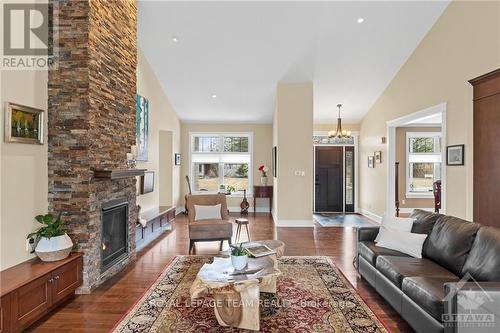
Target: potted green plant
[(50, 240), (239, 257)]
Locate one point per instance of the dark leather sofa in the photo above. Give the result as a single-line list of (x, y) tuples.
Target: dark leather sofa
[(425, 291)]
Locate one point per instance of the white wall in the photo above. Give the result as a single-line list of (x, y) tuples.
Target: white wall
[(24, 179), (294, 131), (162, 118), (463, 44)]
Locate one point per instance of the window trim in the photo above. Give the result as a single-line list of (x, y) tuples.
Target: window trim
[(419, 195), (221, 135)]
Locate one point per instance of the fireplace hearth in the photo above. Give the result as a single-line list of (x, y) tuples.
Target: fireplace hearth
[(114, 243)]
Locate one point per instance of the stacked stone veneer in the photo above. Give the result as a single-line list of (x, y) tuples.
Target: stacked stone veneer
[(91, 120)]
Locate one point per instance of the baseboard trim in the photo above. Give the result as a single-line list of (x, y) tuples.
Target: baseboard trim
[(370, 215), (179, 210), (294, 223), (250, 210), (409, 210)]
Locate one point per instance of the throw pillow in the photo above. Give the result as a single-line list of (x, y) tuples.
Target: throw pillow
[(395, 223), (406, 242), (207, 212)]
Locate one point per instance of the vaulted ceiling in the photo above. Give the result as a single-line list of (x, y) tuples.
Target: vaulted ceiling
[(221, 61)]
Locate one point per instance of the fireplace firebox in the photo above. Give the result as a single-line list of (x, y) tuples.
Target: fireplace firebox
[(114, 246)]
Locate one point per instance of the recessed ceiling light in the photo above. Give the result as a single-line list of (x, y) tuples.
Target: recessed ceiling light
[(214, 96), (360, 20), (175, 39)]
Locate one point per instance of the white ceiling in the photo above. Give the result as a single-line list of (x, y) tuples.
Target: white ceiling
[(239, 51)]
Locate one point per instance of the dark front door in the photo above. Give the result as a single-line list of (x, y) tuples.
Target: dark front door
[(328, 179)]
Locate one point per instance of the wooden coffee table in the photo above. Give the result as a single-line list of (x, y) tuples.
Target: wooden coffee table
[(237, 301)]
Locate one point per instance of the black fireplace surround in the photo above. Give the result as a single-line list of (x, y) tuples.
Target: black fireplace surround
[(114, 245)]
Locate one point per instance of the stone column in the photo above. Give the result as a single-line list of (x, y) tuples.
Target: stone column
[(91, 120)]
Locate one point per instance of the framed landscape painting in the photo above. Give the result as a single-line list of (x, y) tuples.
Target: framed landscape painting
[(142, 127), (23, 124)]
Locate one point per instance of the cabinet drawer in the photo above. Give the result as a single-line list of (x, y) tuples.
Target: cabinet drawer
[(262, 191), (30, 302), (5, 314), (66, 279)]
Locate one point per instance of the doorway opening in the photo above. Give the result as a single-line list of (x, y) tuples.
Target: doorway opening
[(417, 162)]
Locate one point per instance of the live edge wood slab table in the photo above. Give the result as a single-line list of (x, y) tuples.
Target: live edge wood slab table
[(33, 288)]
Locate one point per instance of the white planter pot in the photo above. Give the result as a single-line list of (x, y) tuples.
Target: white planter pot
[(239, 262), (55, 248)]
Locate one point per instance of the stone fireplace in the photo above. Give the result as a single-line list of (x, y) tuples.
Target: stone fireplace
[(91, 126)]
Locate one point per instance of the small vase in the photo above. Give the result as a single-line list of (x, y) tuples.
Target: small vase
[(55, 248), (239, 262), (263, 181)]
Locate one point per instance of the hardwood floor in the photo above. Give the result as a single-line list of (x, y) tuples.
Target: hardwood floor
[(103, 308)]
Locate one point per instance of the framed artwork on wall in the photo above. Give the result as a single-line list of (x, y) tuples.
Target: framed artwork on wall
[(371, 161), (177, 159), (378, 157), (275, 161), (142, 127), (455, 155), (23, 124)]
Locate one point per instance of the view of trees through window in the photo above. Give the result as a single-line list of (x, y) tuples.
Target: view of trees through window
[(424, 162), (220, 160)]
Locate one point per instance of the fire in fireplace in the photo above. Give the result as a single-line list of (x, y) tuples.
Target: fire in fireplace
[(114, 247)]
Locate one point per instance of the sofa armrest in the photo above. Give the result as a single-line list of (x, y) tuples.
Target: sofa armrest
[(367, 233), (471, 298)]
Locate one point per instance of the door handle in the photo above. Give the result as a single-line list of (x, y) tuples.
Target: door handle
[(50, 280), (56, 277)]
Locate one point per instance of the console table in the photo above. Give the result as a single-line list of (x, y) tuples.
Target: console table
[(262, 192), (33, 288)]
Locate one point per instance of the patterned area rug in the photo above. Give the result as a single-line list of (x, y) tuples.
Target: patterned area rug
[(312, 296)]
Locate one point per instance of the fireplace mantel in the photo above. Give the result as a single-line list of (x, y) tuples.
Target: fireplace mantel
[(117, 173)]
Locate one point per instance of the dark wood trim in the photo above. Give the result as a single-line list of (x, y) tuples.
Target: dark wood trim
[(118, 173), (486, 85), (486, 76), (486, 151)]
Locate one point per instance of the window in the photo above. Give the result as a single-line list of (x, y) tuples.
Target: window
[(221, 159), (423, 167)]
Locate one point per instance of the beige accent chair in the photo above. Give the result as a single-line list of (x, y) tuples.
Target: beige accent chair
[(208, 230)]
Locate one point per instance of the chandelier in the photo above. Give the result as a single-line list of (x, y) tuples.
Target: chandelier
[(339, 132)]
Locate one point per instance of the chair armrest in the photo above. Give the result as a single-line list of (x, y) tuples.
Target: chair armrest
[(367, 233)]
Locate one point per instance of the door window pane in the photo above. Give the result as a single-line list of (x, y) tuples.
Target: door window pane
[(236, 175), (206, 177), (206, 144), (237, 144)]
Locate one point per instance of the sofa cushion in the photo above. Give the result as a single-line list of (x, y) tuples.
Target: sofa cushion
[(397, 268), (370, 252), (428, 292), (483, 261), (423, 221), (450, 242)]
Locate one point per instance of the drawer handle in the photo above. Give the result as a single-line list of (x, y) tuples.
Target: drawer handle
[(51, 280), (56, 277)]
